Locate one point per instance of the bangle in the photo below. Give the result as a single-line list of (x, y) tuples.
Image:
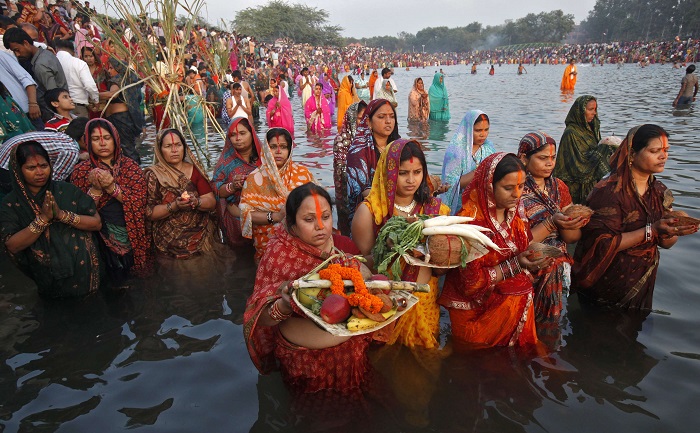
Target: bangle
[(199, 202), (169, 206), (70, 218), (549, 224), (95, 196), (229, 188), (276, 314), (269, 218), (115, 191), (38, 225), (33, 103), (648, 235)]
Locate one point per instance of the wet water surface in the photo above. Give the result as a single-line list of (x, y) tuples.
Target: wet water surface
[(168, 355)]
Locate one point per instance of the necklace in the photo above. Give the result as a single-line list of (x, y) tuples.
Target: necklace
[(406, 209)]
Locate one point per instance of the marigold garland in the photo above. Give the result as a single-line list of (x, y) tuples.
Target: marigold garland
[(361, 298)]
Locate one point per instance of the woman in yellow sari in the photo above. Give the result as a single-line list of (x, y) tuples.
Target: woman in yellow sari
[(346, 96), (401, 187), (267, 187)]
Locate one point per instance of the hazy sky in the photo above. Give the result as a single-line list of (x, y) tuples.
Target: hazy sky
[(366, 18)]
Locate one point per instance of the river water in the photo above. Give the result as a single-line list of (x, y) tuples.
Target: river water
[(168, 355)]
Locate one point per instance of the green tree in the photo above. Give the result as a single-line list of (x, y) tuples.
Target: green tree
[(278, 19)]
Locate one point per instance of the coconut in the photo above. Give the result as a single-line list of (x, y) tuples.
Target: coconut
[(445, 250), (540, 250), (683, 218), (577, 210)]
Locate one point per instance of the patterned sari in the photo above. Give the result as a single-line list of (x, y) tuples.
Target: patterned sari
[(484, 314), (126, 247), (420, 325), (581, 162), (418, 104), (188, 232), (623, 279), (266, 189), (232, 168), (362, 157), (317, 122), (342, 367), (341, 145), (63, 261), (459, 159)]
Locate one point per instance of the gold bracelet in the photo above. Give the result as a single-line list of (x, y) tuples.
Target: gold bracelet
[(276, 314)]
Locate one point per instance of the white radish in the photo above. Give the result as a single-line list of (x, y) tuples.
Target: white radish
[(446, 220), (464, 230)]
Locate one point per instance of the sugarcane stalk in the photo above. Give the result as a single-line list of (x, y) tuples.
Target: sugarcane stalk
[(378, 284)]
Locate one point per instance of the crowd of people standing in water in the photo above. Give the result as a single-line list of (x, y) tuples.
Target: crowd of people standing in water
[(74, 220)]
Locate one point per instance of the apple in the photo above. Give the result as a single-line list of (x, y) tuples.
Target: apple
[(335, 309)]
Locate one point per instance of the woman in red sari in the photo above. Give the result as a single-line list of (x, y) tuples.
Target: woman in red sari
[(490, 301), (277, 333), (616, 260), (116, 184)]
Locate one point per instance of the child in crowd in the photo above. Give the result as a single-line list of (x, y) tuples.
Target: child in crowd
[(62, 104)]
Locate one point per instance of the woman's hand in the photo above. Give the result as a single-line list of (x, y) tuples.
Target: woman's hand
[(285, 302), (105, 179), (665, 228), (54, 206), (181, 203), (533, 265), (47, 207), (564, 222)]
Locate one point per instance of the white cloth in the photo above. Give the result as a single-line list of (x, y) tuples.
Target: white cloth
[(81, 85), (239, 111)]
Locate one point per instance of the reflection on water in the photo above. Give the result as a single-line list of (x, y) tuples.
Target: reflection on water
[(168, 355)]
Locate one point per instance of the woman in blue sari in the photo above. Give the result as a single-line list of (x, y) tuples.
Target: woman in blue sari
[(469, 146), (439, 99)]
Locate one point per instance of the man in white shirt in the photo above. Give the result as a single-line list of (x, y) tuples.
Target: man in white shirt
[(386, 75), (81, 85)]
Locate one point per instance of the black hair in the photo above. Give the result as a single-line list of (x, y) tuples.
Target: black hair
[(101, 123), (17, 36), (254, 154), (236, 86), (6, 21), (275, 132), (509, 164), (411, 149), (52, 95), (85, 49), (64, 44), (267, 98), (319, 85), (646, 133), (481, 117), (76, 128), (297, 196), (350, 79), (385, 70), (237, 74), (690, 69), (175, 131), (30, 148), (304, 69)]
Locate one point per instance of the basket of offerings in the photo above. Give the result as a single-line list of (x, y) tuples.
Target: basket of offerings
[(340, 301), (436, 242)]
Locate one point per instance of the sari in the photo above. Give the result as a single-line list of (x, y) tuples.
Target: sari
[(346, 96), (623, 279), (362, 157), (551, 284), (328, 92), (63, 261), (568, 80), (341, 146), (189, 232), (266, 189), (123, 241), (342, 367), (420, 325), (439, 99), (581, 162), (459, 159), (315, 121), (389, 95), (308, 91), (484, 314), (283, 117), (229, 168), (372, 80), (418, 104), (13, 121)]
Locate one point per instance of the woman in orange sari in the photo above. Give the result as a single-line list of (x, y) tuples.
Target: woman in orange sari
[(346, 96), (373, 77), (266, 189), (490, 301)]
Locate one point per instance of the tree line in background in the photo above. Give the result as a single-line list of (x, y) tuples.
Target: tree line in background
[(610, 20), (642, 20)]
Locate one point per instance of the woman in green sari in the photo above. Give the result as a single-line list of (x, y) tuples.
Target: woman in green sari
[(439, 99), (46, 227), (581, 162)]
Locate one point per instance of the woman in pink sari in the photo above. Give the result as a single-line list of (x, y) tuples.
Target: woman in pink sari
[(317, 112), (279, 111)]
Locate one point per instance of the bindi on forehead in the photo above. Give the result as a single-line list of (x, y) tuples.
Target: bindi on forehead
[(319, 212)]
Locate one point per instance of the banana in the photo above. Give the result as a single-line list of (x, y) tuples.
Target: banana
[(355, 324)]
